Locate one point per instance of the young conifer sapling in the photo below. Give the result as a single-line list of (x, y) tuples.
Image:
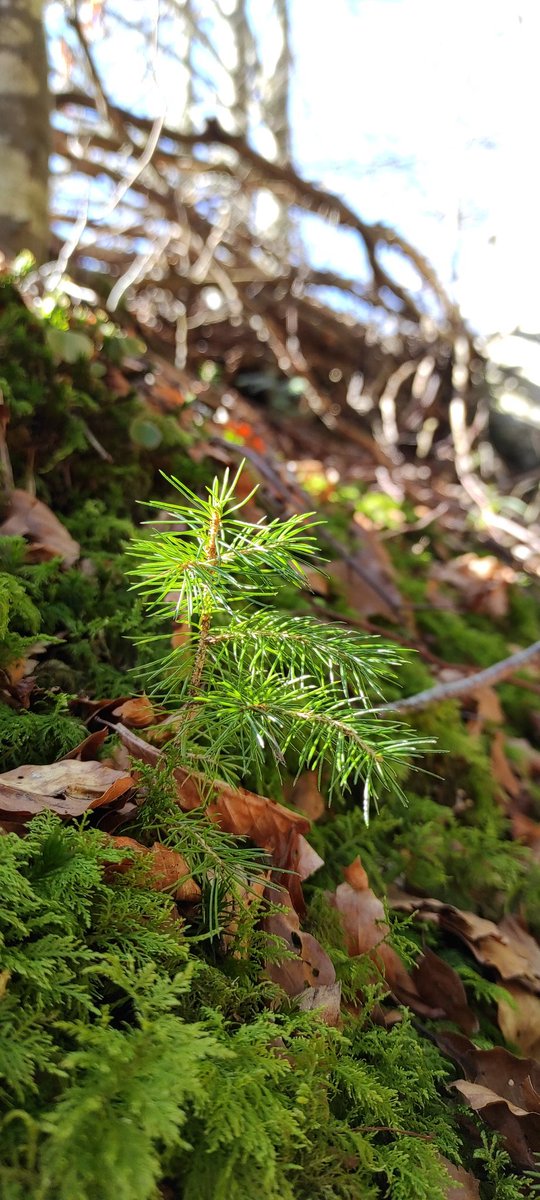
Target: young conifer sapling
[(249, 684)]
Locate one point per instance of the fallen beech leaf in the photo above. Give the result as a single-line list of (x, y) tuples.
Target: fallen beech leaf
[(504, 1089), (464, 1186), (180, 635), (506, 947), (440, 986), (519, 1129), (359, 594), (310, 968), (136, 713), (306, 796), (364, 923), (167, 868), (304, 859), (88, 747), (488, 709), (68, 787), (356, 876), (519, 1021), (30, 518), (524, 829), (316, 581), (324, 1000)]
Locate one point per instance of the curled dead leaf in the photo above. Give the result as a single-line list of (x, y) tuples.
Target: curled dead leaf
[(500, 765), (324, 1000), (519, 1129), (366, 598), (482, 579), (463, 1185), (169, 871), (365, 928), (506, 947), (519, 1019), (441, 987), (306, 797), (29, 518), (504, 1089), (310, 967), (269, 825), (136, 713), (69, 787)]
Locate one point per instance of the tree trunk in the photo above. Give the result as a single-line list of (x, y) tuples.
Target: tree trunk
[(24, 129)]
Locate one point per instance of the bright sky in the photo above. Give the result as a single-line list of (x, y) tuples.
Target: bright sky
[(421, 113), (449, 89)]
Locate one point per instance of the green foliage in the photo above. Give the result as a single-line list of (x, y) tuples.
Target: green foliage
[(38, 737), (122, 1064), (252, 685), (493, 1161), (142, 1054)]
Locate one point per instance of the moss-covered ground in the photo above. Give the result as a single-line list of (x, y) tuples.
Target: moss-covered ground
[(138, 1057)]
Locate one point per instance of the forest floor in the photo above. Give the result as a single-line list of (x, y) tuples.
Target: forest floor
[(156, 1035)]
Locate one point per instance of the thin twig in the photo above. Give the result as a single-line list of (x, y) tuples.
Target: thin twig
[(465, 685)]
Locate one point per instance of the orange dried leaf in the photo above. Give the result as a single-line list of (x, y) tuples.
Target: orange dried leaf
[(136, 713)]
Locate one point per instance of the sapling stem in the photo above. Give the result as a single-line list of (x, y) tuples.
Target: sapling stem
[(206, 614)]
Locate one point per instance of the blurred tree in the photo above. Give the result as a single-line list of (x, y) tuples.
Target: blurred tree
[(24, 132)]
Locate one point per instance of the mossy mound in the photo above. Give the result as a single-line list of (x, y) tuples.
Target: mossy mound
[(140, 1057)]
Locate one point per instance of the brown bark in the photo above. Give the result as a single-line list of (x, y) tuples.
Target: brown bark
[(24, 129)]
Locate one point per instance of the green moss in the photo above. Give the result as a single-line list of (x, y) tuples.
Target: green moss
[(149, 1074)]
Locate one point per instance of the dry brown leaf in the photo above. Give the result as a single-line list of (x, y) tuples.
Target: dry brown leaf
[(306, 797), (30, 518), (324, 1000), (358, 592), (311, 967), (519, 1129), (169, 871), (524, 829), (464, 1186), (87, 748), (19, 669), (304, 859), (269, 825), (506, 947), (504, 1089), (488, 709), (364, 924), (136, 713), (316, 581), (180, 635), (441, 987), (519, 1020), (68, 787)]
